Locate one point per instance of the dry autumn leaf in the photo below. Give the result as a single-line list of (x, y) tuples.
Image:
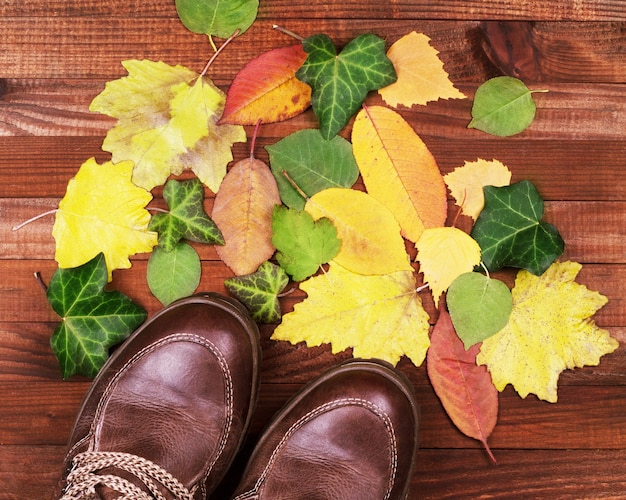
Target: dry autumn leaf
[(378, 316), (102, 211), (399, 170), (370, 236), (466, 183), (421, 77), (165, 125), (550, 330)]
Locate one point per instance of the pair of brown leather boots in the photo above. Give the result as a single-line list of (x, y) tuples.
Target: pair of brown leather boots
[(169, 411)]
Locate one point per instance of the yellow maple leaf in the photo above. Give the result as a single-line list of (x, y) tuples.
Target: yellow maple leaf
[(444, 253), (550, 330), (378, 316), (466, 183), (370, 235), (421, 77), (102, 211), (399, 170), (166, 125)]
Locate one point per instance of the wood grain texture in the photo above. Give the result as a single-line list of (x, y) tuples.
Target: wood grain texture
[(57, 56)]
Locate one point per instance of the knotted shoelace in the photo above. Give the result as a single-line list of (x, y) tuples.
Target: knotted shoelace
[(83, 479)]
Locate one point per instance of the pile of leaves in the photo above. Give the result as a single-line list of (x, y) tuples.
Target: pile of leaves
[(307, 219)]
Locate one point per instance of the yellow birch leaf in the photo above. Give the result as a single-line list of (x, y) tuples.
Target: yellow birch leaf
[(421, 77), (444, 253), (466, 183), (370, 236), (166, 125), (550, 330), (399, 170), (378, 316), (243, 212), (102, 211)]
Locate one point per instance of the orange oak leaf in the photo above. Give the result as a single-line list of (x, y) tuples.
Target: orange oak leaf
[(464, 388), (267, 89), (242, 211)]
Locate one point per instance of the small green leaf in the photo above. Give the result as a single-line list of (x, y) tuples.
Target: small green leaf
[(186, 218), (93, 319), (479, 307), (503, 106), (259, 291), (302, 244), (510, 232), (312, 163), (173, 275), (340, 83), (220, 18)]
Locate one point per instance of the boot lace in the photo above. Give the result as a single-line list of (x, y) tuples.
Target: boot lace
[(83, 479)]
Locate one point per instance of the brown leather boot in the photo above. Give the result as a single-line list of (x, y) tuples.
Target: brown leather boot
[(351, 434), (168, 412)]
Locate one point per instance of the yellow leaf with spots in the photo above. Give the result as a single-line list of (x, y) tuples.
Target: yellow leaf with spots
[(370, 236), (378, 316), (167, 121), (421, 77), (444, 253), (466, 183), (102, 211), (550, 329)]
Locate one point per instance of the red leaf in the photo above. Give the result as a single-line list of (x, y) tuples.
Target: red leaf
[(267, 89), (464, 388)]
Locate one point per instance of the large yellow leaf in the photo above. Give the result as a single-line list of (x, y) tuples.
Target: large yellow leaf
[(165, 124), (421, 77), (370, 236), (550, 330), (466, 183), (399, 170), (243, 212), (444, 253), (102, 211), (378, 316)]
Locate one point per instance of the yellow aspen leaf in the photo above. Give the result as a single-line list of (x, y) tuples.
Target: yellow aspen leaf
[(466, 183), (378, 316), (102, 211), (243, 212), (165, 124), (399, 170), (421, 77), (444, 253), (370, 236), (550, 329)]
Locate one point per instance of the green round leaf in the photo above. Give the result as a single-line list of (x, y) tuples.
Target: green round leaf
[(503, 106), (173, 275), (479, 307), (220, 18)]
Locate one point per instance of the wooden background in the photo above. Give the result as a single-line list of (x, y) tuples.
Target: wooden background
[(56, 55)]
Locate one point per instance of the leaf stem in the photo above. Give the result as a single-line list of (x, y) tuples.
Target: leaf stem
[(253, 143), (288, 32), (217, 52), (421, 288), (294, 185), (40, 281), (482, 264), (33, 219)]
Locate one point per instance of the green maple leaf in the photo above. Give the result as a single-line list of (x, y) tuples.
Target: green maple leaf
[(302, 244), (510, 232), (186, 218), (340, 82), (175, 274), (312, 163), (93, 320), (259, 291)]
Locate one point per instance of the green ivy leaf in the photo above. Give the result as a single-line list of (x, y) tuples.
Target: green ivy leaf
[(186, 218), (259, 291), (510, 232), (503, 106), (312, 163), (218, 18), (479, 307), (340, 83), (173, 275), (302, 244), (93, 319)]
